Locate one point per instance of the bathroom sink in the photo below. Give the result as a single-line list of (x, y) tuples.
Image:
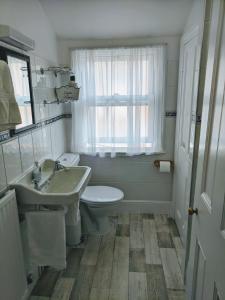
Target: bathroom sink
[(57, 187)]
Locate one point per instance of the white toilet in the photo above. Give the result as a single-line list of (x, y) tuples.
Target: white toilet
[(96, 203)]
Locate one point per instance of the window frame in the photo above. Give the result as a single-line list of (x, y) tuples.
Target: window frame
[(4, 52), (121, 100)]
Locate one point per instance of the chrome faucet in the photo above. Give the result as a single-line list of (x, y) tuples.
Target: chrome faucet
[(58, 165)]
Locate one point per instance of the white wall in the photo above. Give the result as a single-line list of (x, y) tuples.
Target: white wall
[(28, 17), (195, 16), (65, 45)]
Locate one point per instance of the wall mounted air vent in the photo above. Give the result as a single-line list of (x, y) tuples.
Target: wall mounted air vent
[(15, 38)]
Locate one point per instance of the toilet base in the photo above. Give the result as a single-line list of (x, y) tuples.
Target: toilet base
[(93, 222)]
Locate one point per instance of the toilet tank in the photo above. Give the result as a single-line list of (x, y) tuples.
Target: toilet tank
[(69, 159)]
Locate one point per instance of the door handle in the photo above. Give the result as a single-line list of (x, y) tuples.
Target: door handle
[(192, 211)]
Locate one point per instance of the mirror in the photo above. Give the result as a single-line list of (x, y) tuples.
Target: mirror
[(19, 66), (20, 79)]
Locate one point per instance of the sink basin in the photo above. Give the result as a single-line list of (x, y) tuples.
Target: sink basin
[(62, 187)]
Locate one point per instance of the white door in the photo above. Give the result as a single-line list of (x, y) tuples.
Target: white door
[(206, 264), (186, 112)]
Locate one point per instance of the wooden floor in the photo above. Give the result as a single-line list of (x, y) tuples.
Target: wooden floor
[(140, 259)]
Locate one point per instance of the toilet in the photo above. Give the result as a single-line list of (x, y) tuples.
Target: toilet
[(97, 203)]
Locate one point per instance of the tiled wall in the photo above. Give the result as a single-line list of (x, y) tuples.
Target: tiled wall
[(18, 154)]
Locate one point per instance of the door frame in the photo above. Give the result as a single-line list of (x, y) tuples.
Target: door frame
[(205, 132), (187, 37)]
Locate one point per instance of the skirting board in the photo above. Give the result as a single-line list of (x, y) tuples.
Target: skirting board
[(143, 206)]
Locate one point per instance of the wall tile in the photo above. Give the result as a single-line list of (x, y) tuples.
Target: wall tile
[(58, 138), (2, 171), (141, 190), (33, 70), (46, 131), (170, 126), (41, 78), (11, 152), (39, 149), (26, 150), (172, 73), (171, 98), (67, 108), (44, 111)]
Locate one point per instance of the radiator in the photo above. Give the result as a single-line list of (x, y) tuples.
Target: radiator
[(12, 271)]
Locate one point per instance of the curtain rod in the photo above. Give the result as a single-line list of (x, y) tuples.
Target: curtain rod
[(111, 46)]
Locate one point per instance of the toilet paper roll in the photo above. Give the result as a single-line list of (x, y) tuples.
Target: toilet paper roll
[(164, 166)]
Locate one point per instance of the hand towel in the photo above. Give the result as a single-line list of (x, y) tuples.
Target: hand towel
[(46, 238), (9, 110)]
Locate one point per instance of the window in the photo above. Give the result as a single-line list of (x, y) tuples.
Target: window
[(19, 66), (121, 108)]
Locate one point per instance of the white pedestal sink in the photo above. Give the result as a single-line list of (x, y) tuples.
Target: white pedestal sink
[(57, 188), (62, 187)]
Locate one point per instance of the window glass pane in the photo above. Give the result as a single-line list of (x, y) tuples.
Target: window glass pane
[(112, 78), (19, 73), (112, 123)]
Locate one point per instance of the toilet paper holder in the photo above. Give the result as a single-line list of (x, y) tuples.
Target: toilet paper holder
[(157, 163)]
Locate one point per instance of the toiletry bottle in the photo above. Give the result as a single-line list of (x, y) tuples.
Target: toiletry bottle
[(36, 174), (72, 81)]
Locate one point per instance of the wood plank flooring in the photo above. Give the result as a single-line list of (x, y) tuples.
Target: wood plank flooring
[(138, 260)]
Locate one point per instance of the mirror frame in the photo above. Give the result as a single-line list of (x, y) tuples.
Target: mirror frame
[(4, 52)]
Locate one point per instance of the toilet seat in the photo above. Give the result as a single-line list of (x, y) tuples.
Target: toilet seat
[(101, 195)]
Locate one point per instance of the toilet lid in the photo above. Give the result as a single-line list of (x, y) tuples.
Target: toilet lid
[(100, 194)]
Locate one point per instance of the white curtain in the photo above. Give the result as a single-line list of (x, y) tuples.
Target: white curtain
[(121, 105)]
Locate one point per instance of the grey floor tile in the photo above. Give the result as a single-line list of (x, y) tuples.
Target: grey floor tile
[(73, 262), (137, 260), (83, 283), (148, 216), (171, 269), (179, 249), (118, 294), (137, 286), (152, 254), (124, 219), (165, 240), (156, 283), (173, 227), (99, 294), (63, 289), (120, 264), (136, 231), (46, 283), (39, 298), (103, 272), (123, 230), (90, 255), (176, 295), (162, 224)]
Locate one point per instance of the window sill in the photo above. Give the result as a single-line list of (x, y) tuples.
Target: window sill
[(122, 154)]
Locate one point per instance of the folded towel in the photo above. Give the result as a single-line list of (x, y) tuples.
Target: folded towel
[(9, 110), (46, 238)]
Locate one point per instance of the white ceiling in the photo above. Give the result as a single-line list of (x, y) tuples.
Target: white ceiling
[(96, 19)]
